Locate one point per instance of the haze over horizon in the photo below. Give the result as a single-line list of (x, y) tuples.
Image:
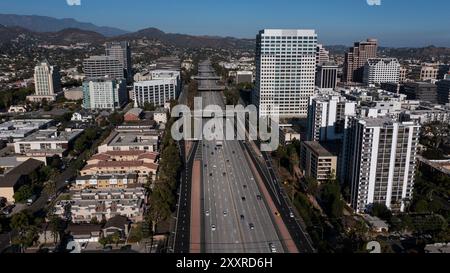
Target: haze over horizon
[(399, 23)]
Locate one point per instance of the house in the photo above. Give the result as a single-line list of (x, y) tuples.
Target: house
[(81, 117), (85, 233), (17, 177), (118, 224)]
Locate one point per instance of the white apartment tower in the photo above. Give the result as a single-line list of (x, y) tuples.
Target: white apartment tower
[(322, 55), (285, 71), (380, 162), (328, 117), (47, 80), (104, 94), (381, 70)]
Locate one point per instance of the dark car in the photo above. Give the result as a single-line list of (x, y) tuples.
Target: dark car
[(259, 197), (243, 198), (242, 217)]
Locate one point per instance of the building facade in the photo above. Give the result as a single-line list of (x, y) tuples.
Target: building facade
[(380, 162), (422, 91), (156, 92), (47, 82), (104, 94), (103, 66), (381, 70), (285, 71), (122, 52), (443, 91), (356, 59), (317, 162), (327, 76)]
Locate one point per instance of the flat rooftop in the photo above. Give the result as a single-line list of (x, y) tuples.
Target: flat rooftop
[(130, 138), (318, 149), (52, 135), (21, 128)]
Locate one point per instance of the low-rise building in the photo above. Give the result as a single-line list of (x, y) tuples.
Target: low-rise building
[(143, 164), (111, 181), (317, 162), (17, 177), (87, 205), (130, 141), (47, 143), (15, 129), (74, 94), (134, 114), (85, 233)]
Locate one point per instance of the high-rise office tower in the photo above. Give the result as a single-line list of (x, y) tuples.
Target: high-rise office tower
[(121, 51), (285, 71), (47, 81), (356, 59), (380, 162), (381, 70), (103, 66), (327, 75)]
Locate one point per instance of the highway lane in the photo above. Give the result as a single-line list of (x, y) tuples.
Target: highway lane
[(231, 200)]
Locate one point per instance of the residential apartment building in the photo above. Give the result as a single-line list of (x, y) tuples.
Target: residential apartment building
[(104, 94), (285, 71), (130, 141), (117, 181), (328, 117), (244, 77), (327, 76), (47, 82), (121, 51), (356, 59), (317, 162), (428, 72), (103, 66), (380, 162), (443, 91), (142, 163), (381, 70), (87, 205), (422, 91)]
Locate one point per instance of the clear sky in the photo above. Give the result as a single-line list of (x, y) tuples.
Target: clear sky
[(394, 22)]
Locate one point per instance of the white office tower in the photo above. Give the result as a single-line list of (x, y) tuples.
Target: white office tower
[(104, 94), (121, 51), (47, 80), (285, 71), (163, 87), (381, 70), (380, 162), (328, 117)]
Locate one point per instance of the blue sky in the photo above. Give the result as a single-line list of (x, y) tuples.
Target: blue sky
[(394, 23)]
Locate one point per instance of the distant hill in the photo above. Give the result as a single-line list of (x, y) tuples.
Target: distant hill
[(63, 37), (48, 24), (189, 41)]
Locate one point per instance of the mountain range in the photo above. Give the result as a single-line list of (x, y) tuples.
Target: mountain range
[(48, 24)]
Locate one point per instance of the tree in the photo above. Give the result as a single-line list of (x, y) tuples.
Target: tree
[(115, 238), (381, 211), (21, 222), (24, 192), (105, 241), (56, 226)]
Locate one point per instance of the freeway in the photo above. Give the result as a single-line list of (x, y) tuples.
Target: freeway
[(236, 218)]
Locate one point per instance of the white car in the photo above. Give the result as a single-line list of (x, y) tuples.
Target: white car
[(273, 249), (213, 227), (207, 213), (225, 213)]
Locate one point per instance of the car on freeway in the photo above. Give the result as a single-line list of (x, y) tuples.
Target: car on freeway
[(225, 213), (243, 198), (291, 214), (272, 248), (259, 197), (207, 213), (251, 226), (245, 186), (210, 174), (213, 227)]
